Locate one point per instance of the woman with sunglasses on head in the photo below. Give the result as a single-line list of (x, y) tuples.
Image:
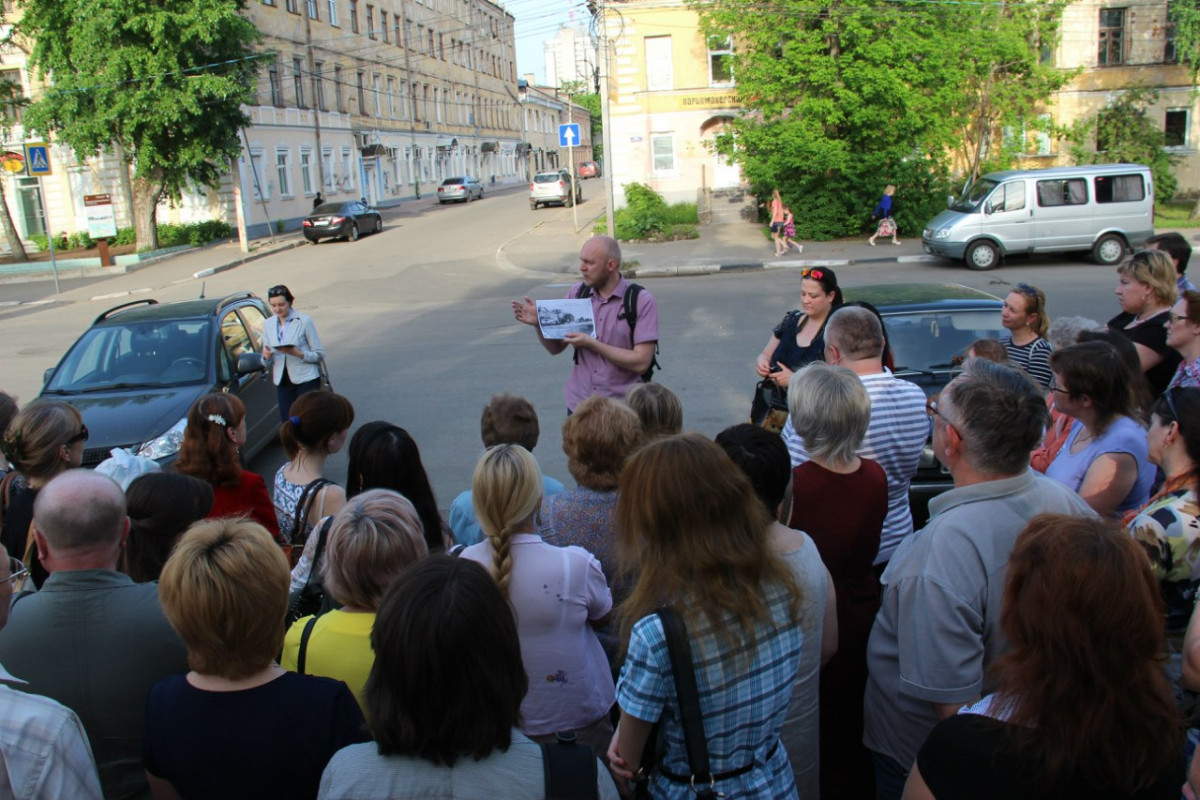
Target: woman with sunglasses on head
[(1146, 289), (1183, 334), (292, 348), (799, 338), (44, 439), (1168, 526), (1024, 315)]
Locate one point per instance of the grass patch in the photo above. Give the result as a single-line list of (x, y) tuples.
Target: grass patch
[(1174, 214)]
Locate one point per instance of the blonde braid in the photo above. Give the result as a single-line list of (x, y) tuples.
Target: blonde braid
[(502, 558)]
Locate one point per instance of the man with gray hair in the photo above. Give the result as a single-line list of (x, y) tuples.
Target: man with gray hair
[(899, 426), (938, 628), (92, 639)]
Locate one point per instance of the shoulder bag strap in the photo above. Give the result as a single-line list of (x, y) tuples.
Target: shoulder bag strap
[(689, 696), (322, 535), (304, 637), (304, 507)]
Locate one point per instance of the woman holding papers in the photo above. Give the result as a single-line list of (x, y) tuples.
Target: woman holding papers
[(292, 348)]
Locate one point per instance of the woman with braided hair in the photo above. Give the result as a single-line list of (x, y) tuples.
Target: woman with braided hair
[(558, 595)]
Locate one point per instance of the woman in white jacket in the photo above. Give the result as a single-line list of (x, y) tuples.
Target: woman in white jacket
[(292, 336)]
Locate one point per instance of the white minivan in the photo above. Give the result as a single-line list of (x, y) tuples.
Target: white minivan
[(1107, 209)]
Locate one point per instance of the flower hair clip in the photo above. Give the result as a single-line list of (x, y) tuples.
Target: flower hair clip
[(218, 419)]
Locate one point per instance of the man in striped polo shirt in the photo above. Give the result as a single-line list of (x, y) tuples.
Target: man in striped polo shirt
[(899, 425)]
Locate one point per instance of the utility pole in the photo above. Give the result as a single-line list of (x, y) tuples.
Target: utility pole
[(317, 96), (411, 111), (606, 121)]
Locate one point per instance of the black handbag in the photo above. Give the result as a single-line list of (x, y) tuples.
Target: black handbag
[(769, 408), (310, 599)]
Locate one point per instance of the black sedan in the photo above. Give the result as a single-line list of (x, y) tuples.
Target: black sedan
[(929, 328), (341, 220)]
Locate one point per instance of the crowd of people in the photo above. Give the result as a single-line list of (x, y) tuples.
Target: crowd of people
[(193, 635)]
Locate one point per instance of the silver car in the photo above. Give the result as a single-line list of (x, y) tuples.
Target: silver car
[(460, 189), (556, 186)]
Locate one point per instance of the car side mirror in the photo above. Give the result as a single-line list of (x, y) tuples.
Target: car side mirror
[(249, 363)]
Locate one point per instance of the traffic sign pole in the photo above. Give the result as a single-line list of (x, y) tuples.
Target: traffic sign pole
[(37, 165)]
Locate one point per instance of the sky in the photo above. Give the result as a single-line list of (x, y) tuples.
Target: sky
[(536, 22)]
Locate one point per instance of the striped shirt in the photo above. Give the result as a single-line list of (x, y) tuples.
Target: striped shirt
[(1034, 358), (897, 434), (743, 702)]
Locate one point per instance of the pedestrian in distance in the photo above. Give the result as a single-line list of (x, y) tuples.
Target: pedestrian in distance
[(317, 201), (883, 212), (292, 349), (777, 222), (789, 233)]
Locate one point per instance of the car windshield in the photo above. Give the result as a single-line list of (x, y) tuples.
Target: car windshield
[(974, 195), (931, 341), (547, 177), (328, 208), (150, 354)]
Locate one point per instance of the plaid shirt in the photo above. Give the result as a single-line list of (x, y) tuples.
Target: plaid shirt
[(43, 747), (743, 707)]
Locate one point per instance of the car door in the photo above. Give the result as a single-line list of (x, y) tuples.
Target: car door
[(1008, 216), (1063, 216), (241, 332)]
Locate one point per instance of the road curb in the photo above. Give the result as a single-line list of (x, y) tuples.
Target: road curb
[(205, 273), (673, 271)]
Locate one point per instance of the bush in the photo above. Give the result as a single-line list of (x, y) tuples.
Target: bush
[(193, 233), (125, 236), (646, 215), (40, 241)]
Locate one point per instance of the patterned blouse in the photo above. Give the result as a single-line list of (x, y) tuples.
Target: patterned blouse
[(1169, 529)]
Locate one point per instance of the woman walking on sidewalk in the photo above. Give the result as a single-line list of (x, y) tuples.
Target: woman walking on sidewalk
[(777, 222), (887, 225)]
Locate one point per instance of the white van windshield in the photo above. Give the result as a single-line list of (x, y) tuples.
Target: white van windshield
[(974, 195)]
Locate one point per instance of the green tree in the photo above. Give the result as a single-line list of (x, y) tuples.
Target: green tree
[(163, 79), (842, 98), (1184, 16), (591, 101), (1123, 133)]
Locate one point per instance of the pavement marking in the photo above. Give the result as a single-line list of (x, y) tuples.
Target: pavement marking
[(109, 296)]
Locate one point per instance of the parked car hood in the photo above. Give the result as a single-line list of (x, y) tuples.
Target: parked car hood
[(122, 419)]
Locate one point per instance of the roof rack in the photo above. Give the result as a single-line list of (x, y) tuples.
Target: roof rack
[(115, 309)]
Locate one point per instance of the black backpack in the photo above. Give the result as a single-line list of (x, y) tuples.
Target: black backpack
[(629, 314)]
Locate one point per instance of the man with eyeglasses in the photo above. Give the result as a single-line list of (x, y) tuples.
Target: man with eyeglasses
[(938, 627), (91, 638), (44, 751)]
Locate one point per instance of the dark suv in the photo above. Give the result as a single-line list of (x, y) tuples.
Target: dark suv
[(135, 373)]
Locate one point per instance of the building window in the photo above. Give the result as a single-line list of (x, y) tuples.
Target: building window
[(383, 25), (264, 2), (720, 61), (337, 90), (396, 30), (1170, 51), (347, 175), (1112, 37), (327, 162), (319, 85), (391, 97), (658, 63), (298, 81), (258, 178), (333, 15), (420, 36), (662, 147), (376, 90), (306, 177), (284, 174), (354, 15), (276, 86), (370, 22), (11, 90), (362, 92), (1175, 130), (291, 6), (312, 10)]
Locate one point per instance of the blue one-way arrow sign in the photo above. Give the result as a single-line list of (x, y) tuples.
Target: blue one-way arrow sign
[(568, 135)]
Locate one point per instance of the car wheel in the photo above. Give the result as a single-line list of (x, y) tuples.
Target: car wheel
[(1109, 250), (378, 225), (481, 194), (982, 255), (353, 235), (570, 201), (532, 206)]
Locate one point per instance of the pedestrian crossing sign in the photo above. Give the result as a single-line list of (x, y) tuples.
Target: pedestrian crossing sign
[(37, 158)]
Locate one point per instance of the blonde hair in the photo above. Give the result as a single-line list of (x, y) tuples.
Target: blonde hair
[(1155, 269), (830, 410), (506, 490), (37, 433), (373, 538), (657, 407), (225, 592), (692, 529)]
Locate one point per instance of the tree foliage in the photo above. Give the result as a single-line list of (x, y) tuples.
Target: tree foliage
[(844, 98), (12, 99), (1123, 133), (591, 102), (164, 79)]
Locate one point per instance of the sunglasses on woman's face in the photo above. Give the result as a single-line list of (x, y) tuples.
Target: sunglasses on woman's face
[(82, 436)]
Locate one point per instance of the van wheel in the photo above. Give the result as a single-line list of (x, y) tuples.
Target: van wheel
[(1109, 249), (982, 256)]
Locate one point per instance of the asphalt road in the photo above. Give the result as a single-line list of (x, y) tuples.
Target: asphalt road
[(418, 329)]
